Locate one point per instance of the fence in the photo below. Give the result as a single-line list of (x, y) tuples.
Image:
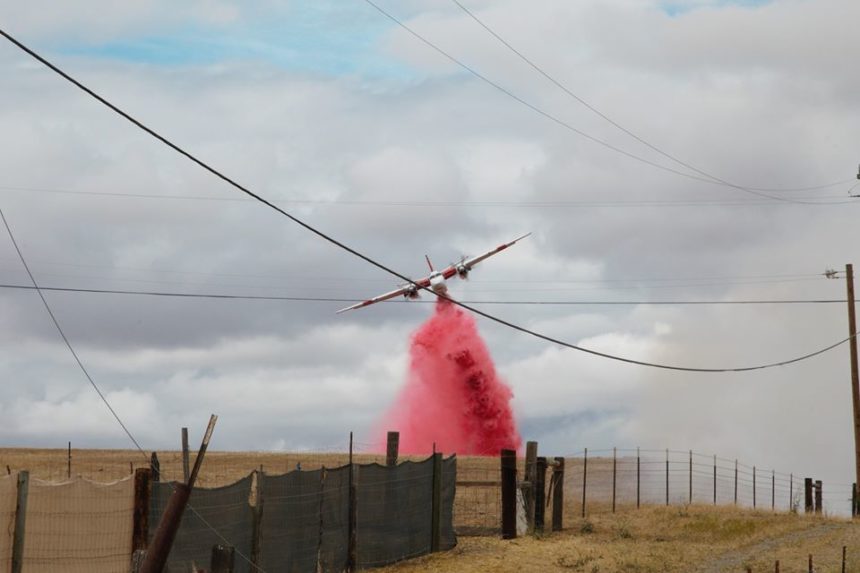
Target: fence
[(608, 479), (317, 520)]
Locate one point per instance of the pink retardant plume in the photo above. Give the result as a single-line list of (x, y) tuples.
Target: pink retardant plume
[(453, 396)]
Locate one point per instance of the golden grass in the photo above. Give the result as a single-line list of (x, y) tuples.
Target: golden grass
[(659, 539)]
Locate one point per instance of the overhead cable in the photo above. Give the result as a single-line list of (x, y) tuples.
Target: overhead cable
[(404, 301), (555, 119), (381, 266), (638, 138)]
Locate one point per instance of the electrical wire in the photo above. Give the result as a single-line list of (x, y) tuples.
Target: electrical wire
[(65, 338), (638, 138), (837, 200), (381, 266), (709, 179), (488, 302)]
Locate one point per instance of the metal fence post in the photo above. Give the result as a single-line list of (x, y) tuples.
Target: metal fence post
[(715, 480), (691, 478), (638, 479), (584, 479), (667, 476), (614, 472), (754, 488)]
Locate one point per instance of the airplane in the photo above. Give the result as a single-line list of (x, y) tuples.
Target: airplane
[(436, 280)]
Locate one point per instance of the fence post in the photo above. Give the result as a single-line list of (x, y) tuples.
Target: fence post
[(155, 466), (257, 528), (223, 559), (715, 480), (667, 476), (392, 448), (808, 503), (844, 561), (584, 479), (818, 497), (540, 494), (791, 492), (69, 462), (186, 458), (853, 500), (436, 518), (811, 568), (773, 490), (142, 492), (530, 489), (20, 521), (509, 494), (736, 482), (558, 494), (690, 501), (614, 472), (351, 551), (637, 479), (776, 566), (754, 488)]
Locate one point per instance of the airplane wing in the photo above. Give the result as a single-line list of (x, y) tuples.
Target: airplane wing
[(467, 264), (401, 291)]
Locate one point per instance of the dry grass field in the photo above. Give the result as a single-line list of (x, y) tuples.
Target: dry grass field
[(660, 539)]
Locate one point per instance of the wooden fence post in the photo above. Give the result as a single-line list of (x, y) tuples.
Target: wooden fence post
[(436, 517), (392, 447), (186, 457), (558, 495), (20, 522), (844, 561), (529, 486), (142, 493), (223, 559), (808, 503), (508, 460), (614, 474), (854, 500), (754, 487), (257, 526), (155, 466), (811, 568), (773, 490), (819, 506), (776, 566), (69, 462), (540, 494), (791, 492), (584, 479)]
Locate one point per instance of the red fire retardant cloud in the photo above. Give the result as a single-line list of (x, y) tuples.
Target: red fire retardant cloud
[(453, 396)]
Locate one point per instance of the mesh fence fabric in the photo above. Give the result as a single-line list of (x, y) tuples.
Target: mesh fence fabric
[(334, 537), (291, 521), (79, 526), (8, 499), (225, 509)]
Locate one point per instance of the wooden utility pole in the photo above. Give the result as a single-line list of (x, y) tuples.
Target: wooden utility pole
[(855, 377)]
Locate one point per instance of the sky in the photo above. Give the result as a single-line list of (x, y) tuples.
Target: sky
[(337, 114)]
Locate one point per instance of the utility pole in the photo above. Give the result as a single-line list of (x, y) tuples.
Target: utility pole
[(855, 376)]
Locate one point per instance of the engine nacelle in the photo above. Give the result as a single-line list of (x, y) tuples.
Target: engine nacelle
[(411, 293), (462, 271)]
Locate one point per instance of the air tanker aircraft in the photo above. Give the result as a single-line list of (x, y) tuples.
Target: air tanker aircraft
[(436, 279)]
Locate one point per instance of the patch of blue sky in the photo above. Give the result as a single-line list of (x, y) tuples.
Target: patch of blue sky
[(681, 7), (320, 38)]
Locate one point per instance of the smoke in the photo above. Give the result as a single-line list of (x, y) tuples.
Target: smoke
[(453, 396)]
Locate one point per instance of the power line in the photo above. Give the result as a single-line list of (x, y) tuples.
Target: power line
[(488, 302), (65, 338), (638, 138), (377, 264), (836, 200), (707, 179)]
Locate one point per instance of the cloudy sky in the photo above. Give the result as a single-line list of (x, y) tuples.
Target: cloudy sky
[(337, 114)]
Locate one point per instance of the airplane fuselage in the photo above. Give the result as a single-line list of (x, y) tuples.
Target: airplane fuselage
[(438, 283)]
